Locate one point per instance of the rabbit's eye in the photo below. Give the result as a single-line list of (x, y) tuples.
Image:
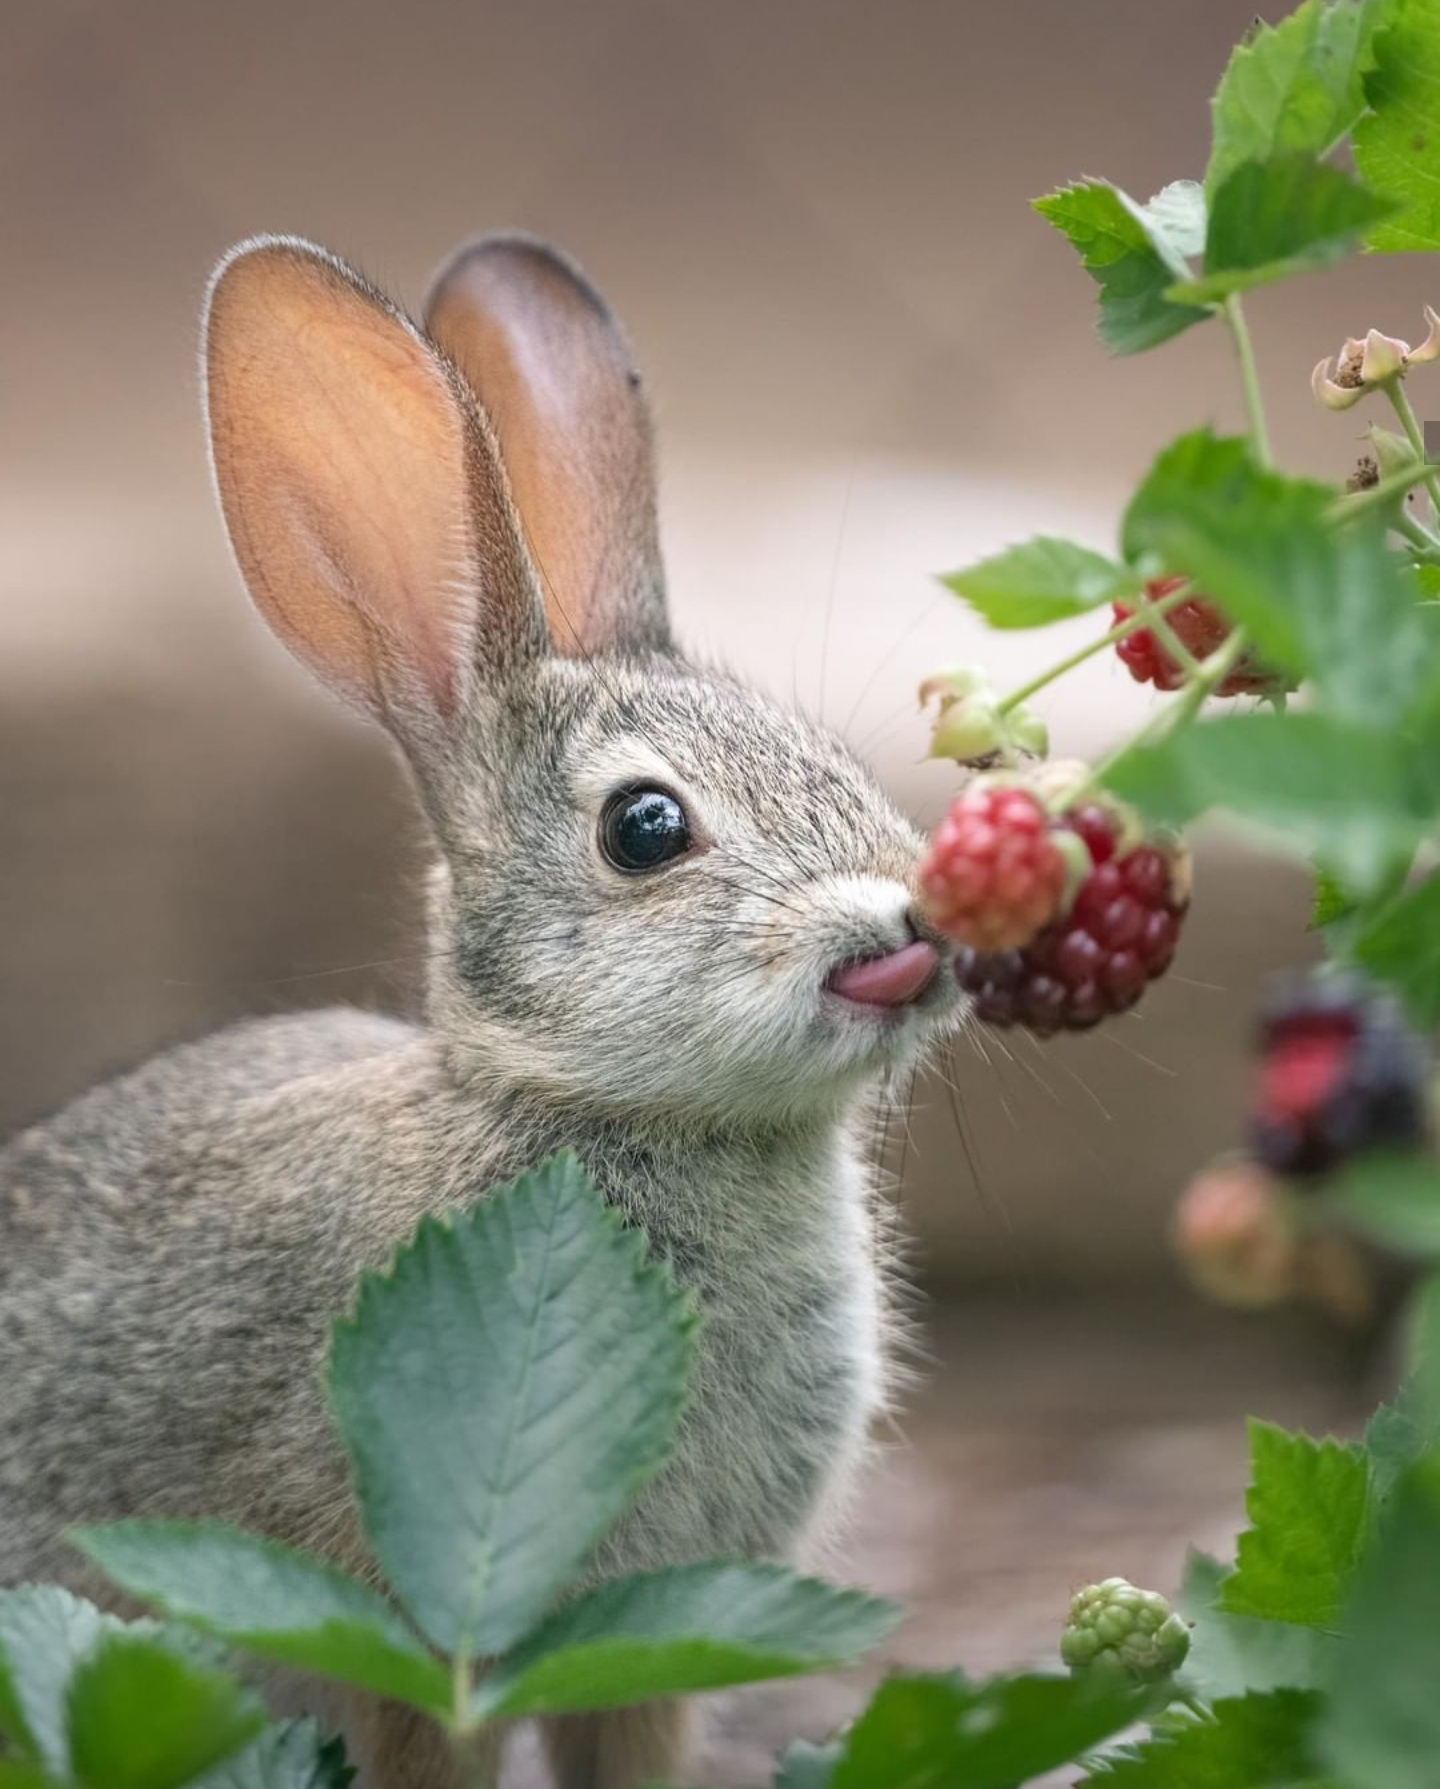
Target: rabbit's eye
[(641, 829)]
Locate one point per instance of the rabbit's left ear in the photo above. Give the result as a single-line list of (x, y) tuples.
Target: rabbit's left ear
[(555, 376)]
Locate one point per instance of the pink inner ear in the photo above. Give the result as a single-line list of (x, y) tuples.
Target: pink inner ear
[(555, 377), (344, 463)]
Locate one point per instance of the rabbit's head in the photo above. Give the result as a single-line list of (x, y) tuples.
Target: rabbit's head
[(657, 890)]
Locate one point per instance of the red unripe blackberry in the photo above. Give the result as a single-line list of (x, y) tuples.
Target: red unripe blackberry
[(1202, 629), (993, 874), (1340, 1072), (1097, 959)]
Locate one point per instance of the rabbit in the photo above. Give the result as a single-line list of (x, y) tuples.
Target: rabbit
[(671, 925)]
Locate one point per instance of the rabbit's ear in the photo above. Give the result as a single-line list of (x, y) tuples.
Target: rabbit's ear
[(556, 378), (360, 487)]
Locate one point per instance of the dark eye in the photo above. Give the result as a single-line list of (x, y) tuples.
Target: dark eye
[(642, 829)]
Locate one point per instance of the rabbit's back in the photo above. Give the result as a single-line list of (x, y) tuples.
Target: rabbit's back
[(173, 1246)]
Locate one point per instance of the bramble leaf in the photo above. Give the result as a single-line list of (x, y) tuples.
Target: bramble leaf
[(141, 1716), (1250, 1742), (1130, 256), (1381, 1727), (1309, 1510), (45, 1633), (1397, 146), (272, 1600), (1394, 1198), (1270, 220), (804, 1766), (671, 1633), (1040, 581), (1293, 86), (293, 1755), (1231, 1655), (1401, 945), (504, 1392), (1353, 798), (1324, 602), (920, 1732)]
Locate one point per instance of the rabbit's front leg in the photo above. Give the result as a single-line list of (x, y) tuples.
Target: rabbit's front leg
[(622, 1748), (400, 1748)]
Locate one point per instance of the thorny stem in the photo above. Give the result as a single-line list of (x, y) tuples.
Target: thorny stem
[(1142, 617), (1249, 379), (1402, 407)]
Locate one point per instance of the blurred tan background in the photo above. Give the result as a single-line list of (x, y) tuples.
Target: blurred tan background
[(871, 361)]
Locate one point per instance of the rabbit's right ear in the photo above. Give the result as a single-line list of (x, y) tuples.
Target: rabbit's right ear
[(361, 489)]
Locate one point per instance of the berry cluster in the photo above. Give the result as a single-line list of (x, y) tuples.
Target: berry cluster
[(1201, 629), (1095, 959), (1340, 1072)]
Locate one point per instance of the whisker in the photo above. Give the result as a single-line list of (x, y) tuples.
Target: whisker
[(885, 660)]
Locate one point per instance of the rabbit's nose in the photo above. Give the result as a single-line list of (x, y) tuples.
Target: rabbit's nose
[(892, 980)]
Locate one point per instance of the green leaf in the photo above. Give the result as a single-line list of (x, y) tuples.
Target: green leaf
[(1399, 1433), (293, 1755), (15, 1774), (1295, 86), (1382, 1725), (949, 1733), (1041, 581), (272, 1600), (675, 1632), (1426, 579), (1175, 221), (44, 1634), (1270, 220), (1397, 146), (1341, 794), (141, 1716), (1324, 602), (1231, 1655), (1309, 1510), (1130, 256), (804, 1766), (1332, 902), (504, 1392), (1394, 1198), (1252, 1742), (1401, 945)]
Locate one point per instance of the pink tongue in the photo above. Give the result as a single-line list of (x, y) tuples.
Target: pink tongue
[(888, 981)]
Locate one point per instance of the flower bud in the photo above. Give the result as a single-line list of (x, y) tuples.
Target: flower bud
[(971, 726), (1393, 453)]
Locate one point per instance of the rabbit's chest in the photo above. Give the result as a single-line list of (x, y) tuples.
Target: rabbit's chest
[(790, 1370)]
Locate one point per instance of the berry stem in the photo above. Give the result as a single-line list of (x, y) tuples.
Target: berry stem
[(1403, 408), (1207, 678), (1249, 378), (1426, 544), (1144, 616)]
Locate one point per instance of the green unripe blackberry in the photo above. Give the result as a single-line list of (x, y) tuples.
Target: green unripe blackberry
[(1113, 1626)]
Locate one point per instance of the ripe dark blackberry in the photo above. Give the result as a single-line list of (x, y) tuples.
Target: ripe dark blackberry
[(1201, 629), (1340, 1072), (1097, 959)]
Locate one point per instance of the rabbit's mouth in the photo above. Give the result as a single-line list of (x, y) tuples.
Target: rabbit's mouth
[(890, 982)]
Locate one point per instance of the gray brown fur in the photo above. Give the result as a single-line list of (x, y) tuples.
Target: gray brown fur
[(175, 1245)]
